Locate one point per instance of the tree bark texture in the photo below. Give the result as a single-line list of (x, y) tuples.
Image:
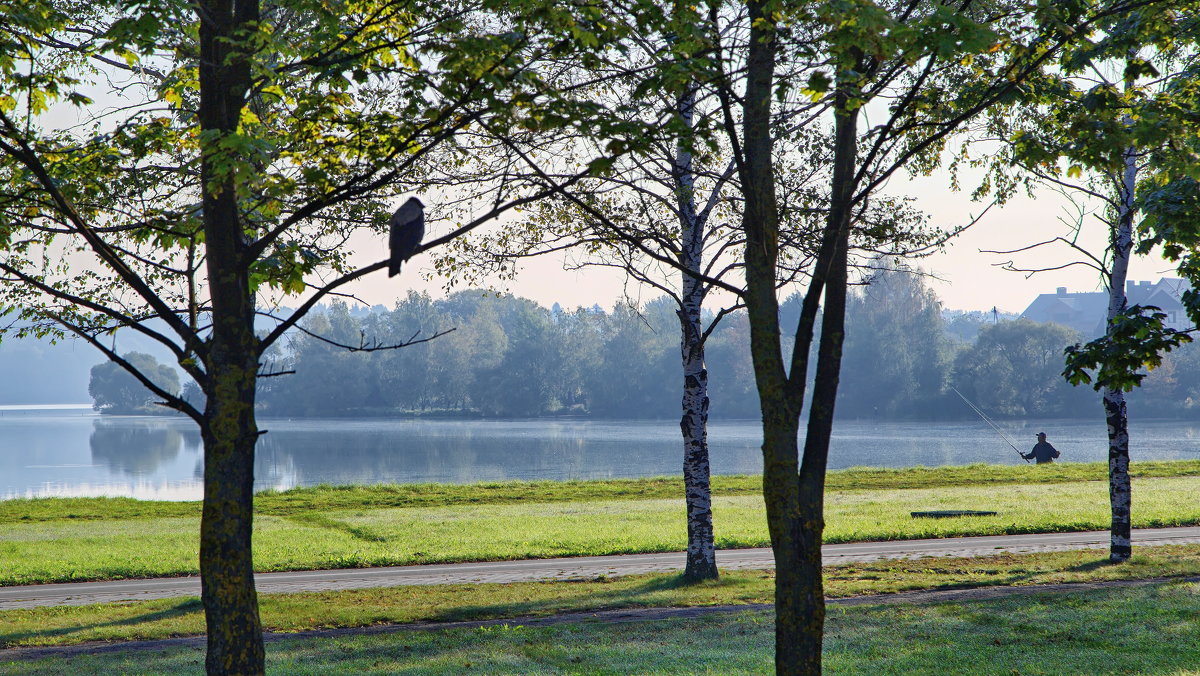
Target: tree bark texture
[(811, 524), (794, 493), (796, 631), (235, 644), (701, 549), (1120, 493)]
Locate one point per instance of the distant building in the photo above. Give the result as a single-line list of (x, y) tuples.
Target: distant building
[(1086, 312)]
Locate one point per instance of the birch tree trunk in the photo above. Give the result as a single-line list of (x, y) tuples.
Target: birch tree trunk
[(1115, 413), (235, 644), (701, 549)]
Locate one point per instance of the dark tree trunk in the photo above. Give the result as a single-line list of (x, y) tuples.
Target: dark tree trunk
[(794, 494), (701, 549), (232, 621), (806, 657), (780, 416), (235, 644)]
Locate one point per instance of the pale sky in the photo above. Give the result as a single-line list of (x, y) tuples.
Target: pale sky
[(969, 279)]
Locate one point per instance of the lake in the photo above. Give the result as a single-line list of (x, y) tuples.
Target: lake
[(71, 451)]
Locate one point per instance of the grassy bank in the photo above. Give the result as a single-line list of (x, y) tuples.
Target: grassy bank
[(360, 536), (296, 612), (1133, 630), (322, 498), (1149, 629)]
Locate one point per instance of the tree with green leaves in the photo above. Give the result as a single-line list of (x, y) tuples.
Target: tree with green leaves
[(666, 216), (896, 354), (923, 71), (114, 390), (659, 215), (175, 169), (1013, 369), (1090, 130)]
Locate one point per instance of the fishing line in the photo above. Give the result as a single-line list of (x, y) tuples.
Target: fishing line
[(989, 421)]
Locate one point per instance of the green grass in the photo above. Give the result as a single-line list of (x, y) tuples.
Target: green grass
[(53, 551), (1146, 630), (65, 625), (137, 548), (301, 501)]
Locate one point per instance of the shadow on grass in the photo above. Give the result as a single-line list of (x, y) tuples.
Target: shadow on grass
[(929, 574), (321, 521), (1021, 577), (1089, 566), (185, 607), (638, 596)]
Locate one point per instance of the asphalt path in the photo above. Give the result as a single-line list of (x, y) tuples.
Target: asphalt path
[(587, 567)]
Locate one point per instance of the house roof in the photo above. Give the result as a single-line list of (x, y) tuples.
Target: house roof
[(1086, 311)]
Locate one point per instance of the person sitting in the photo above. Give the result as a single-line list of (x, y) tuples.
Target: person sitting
[(1043, 452)]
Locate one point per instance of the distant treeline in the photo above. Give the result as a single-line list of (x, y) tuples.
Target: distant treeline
[(511, 357), (503, 356)]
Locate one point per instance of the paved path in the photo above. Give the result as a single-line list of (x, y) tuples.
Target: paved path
[(82, 593)]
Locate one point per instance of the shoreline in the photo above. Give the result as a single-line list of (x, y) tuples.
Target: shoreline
[(850, 478)]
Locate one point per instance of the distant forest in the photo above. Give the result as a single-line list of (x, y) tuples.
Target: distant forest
[(509, 356)]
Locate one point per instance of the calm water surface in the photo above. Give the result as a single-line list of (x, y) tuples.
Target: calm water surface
[(71, 451)]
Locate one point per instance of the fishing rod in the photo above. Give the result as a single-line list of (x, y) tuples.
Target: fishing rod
[(989, 421)]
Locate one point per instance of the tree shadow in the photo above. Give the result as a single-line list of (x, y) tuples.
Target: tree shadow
[(1017, 577), (180, 609), (322, 521), (1094, 565), (634, 597)]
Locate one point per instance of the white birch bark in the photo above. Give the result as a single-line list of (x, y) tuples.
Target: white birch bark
[(701, 550), (1115, 412)]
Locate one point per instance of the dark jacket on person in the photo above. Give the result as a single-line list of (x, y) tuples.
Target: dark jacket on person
[(1043, 452)]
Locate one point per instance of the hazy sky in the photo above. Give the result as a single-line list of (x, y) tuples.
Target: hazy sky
[(969, 279)]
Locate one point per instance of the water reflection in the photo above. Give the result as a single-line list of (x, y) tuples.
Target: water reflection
[(76, 452), (308, 452), (71, 451), (133, 448)]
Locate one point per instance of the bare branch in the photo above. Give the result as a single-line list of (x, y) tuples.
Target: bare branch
[(372, 345), (168, 400)]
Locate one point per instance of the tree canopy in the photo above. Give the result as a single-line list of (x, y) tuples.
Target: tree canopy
[(115, 390), (221, 155)]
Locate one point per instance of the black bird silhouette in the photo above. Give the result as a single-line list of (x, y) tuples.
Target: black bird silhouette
[(408, 229)]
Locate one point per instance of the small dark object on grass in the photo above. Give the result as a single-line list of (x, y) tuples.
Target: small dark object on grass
[(944, 513)]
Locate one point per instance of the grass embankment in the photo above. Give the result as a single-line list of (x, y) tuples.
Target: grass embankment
[(317, 610), (322, 498), (1133, 630), (364, 526)]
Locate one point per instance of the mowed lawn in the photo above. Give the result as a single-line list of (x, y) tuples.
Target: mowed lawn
[(1144, 630), (50, 550), (302, 611)]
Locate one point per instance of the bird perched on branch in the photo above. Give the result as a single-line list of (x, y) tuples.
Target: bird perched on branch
[(407, 231)]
